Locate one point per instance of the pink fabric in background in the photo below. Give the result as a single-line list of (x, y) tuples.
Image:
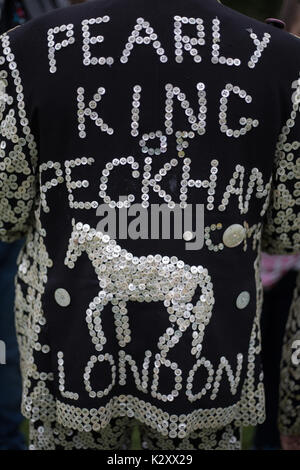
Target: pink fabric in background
[(273, 267)]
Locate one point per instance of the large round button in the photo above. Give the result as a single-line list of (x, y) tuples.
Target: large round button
[(188, 236), (234, 235), (243, 300), (62, 297)]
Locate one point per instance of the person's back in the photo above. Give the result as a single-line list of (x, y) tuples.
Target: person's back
[(121, 102)]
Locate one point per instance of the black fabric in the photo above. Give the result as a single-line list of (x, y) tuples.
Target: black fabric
[(52, 112)]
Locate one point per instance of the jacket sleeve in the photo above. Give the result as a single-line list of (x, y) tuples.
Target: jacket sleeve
[(281, 235), (281, 230), (289, 393), (18, 150)]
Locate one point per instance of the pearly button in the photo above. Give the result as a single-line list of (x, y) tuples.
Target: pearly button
[(234, 235), (188, 236), (62, 297), (243, 300)]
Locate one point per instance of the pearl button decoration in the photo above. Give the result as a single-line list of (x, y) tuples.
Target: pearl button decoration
[(89, 109), (145, 278), (54, 46), (62, 297), (260, 47), (88, 40), (247, 123), (165, 164), (137, 38), (233, 235), (243, 300), (185, 42), (188, 236), (216, 58)]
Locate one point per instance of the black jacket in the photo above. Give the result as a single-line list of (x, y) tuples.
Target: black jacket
[(169, 102)]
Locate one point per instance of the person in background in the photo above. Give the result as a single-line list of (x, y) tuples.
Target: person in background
[(290, 13), (279, 274), (278, 277), (289, 391), (10, 379), (12, 14)]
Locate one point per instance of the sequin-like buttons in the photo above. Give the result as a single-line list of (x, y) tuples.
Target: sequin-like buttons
[(188, 236), (62, 297), (233, 235), (243, 300)]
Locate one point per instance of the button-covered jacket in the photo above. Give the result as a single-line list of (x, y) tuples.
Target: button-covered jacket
[(114, 111)]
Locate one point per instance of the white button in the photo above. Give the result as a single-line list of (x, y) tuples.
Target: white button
[(234, 235), (188, 236), (243, 300), (62, 297)]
